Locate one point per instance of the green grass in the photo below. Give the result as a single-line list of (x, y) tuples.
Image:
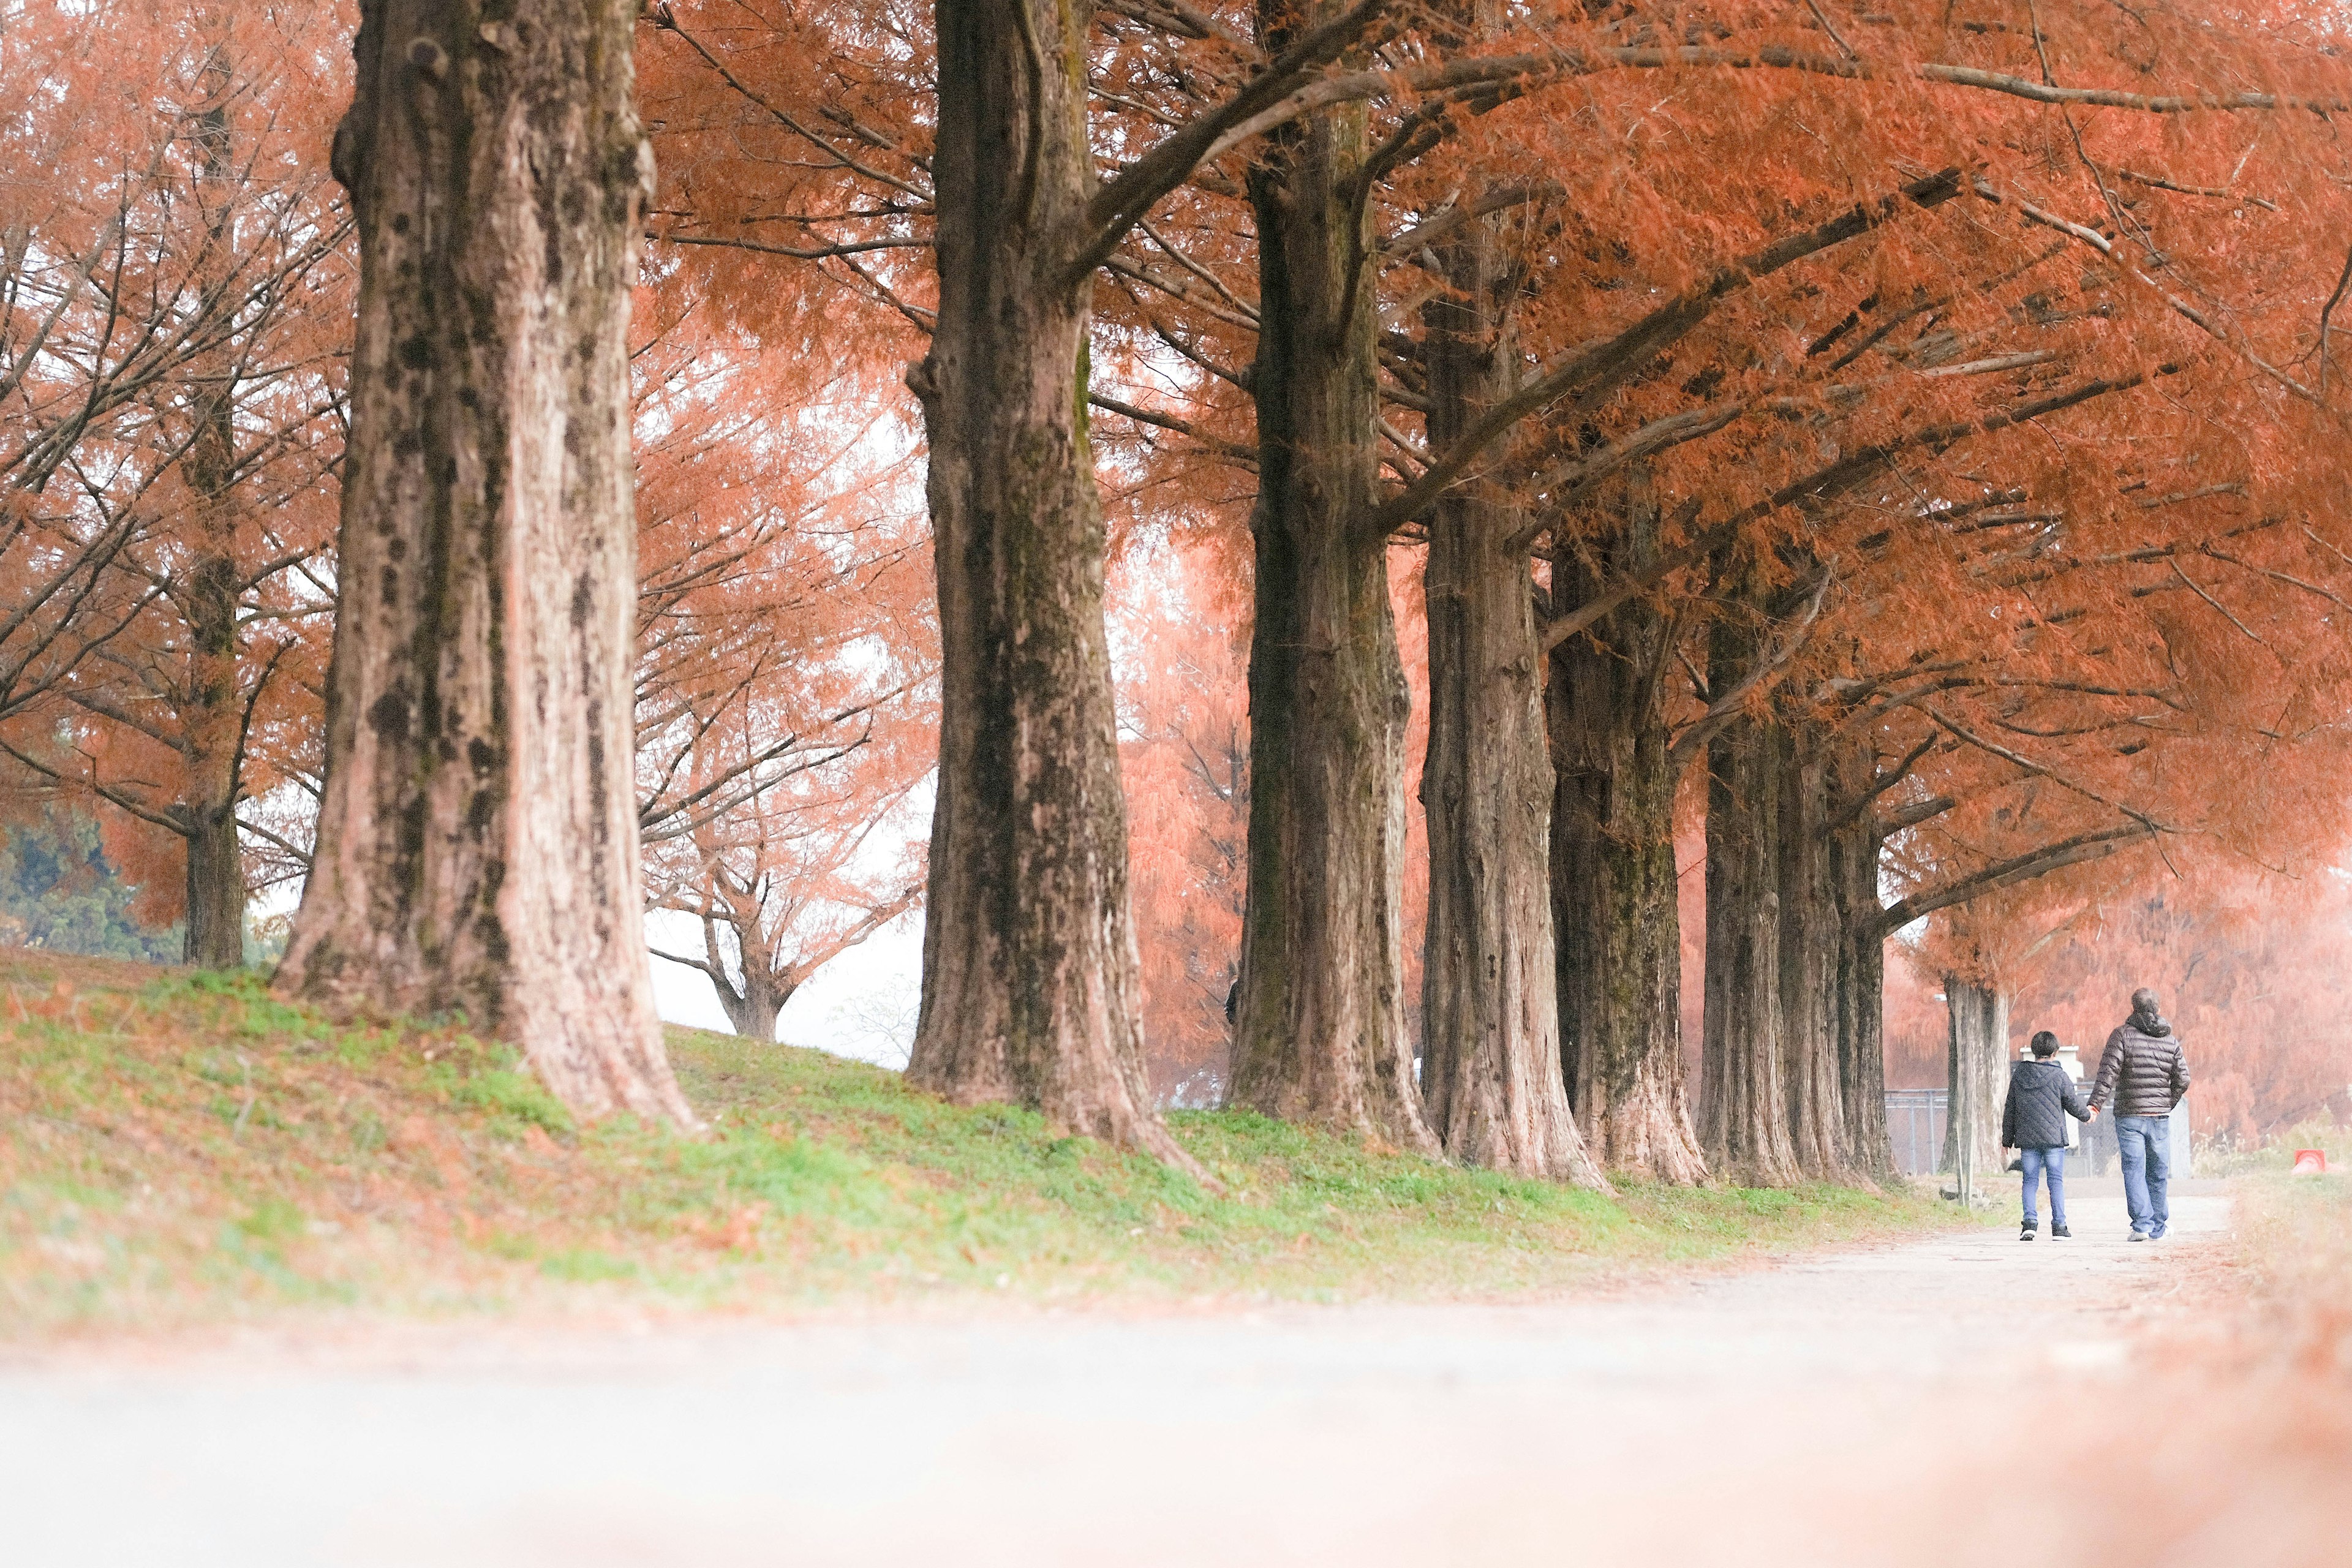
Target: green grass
[(180, 1149)]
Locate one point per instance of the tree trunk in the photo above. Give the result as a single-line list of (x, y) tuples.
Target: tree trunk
[(753, 1004), (1978, 1013), (212, 713), (1490, 1019), (212, 716), (1809, 959), (754, 1010), (1742, 1097), (1613, 885), (1861, 989), (1030, 972), (1318, 1029), (477, 839)]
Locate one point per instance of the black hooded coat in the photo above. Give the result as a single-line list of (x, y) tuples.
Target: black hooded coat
[(2040, 1098)]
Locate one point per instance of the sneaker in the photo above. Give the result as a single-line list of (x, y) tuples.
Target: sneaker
[(2025, 1233), (2139, 1235), (2157, 1235), (2057, 1231)]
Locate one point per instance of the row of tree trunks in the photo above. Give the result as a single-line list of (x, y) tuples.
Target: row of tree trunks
[(478, 849), (1491, 1068), (1614, 891), (478, 713), (1031, 990), (1319, 1021), (1796, 953)]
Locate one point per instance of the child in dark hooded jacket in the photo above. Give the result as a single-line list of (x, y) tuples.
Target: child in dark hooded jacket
[(2033, 1122)]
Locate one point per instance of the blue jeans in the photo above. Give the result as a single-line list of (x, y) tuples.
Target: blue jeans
[(2145, 1145), (2039, 1163)]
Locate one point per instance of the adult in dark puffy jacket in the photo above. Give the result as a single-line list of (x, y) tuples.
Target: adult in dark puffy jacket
[(2033, 1122), (2144, 1075)]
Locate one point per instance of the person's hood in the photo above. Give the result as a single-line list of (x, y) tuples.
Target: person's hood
[(2155, 1027), (2028, 1063)]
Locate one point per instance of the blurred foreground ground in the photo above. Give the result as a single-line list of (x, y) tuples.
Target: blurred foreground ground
[(1937, 1403)]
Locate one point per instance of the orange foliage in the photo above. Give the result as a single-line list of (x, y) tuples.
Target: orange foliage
[(2038, 468), (1184, 752), (180, 268)]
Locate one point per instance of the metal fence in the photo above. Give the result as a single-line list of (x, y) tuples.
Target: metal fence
[(1916, 1119), (1915, 1122)]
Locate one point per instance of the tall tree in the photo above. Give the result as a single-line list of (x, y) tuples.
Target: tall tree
[(1614, 884), (1029, 963), (1491, 1020), (1320, 1029), (477, 847)]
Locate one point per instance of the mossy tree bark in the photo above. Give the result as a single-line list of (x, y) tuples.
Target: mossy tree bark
[(1030, 975), (1319, 1028), (477, 840), (1490, 1019), (1614, 892)]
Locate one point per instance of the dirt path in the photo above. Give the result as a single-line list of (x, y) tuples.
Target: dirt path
[(1861, 1408)]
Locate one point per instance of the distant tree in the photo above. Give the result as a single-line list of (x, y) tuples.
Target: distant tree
[(786, 687), (218, 473)]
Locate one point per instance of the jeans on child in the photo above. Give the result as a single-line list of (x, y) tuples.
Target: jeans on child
[(2039, 1162), (2146, 1144)]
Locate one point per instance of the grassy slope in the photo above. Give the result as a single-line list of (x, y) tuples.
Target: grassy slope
[(179, 1148)]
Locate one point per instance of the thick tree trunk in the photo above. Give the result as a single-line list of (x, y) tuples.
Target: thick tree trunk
[(1976, 1076), (1743, 1121), (1030, 972), (477, 840), (1809, 959), (1319, 1028), (1861, 988), (1490, 1019), (1613, 886)]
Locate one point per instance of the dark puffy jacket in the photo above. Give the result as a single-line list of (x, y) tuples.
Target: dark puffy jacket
[(2142, 1074), (2040, 1098)]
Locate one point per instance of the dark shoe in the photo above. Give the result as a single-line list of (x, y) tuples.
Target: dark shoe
[(2025, 1233), (2057, 1231)]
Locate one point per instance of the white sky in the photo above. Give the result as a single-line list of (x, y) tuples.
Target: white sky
[(861, 1005)]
